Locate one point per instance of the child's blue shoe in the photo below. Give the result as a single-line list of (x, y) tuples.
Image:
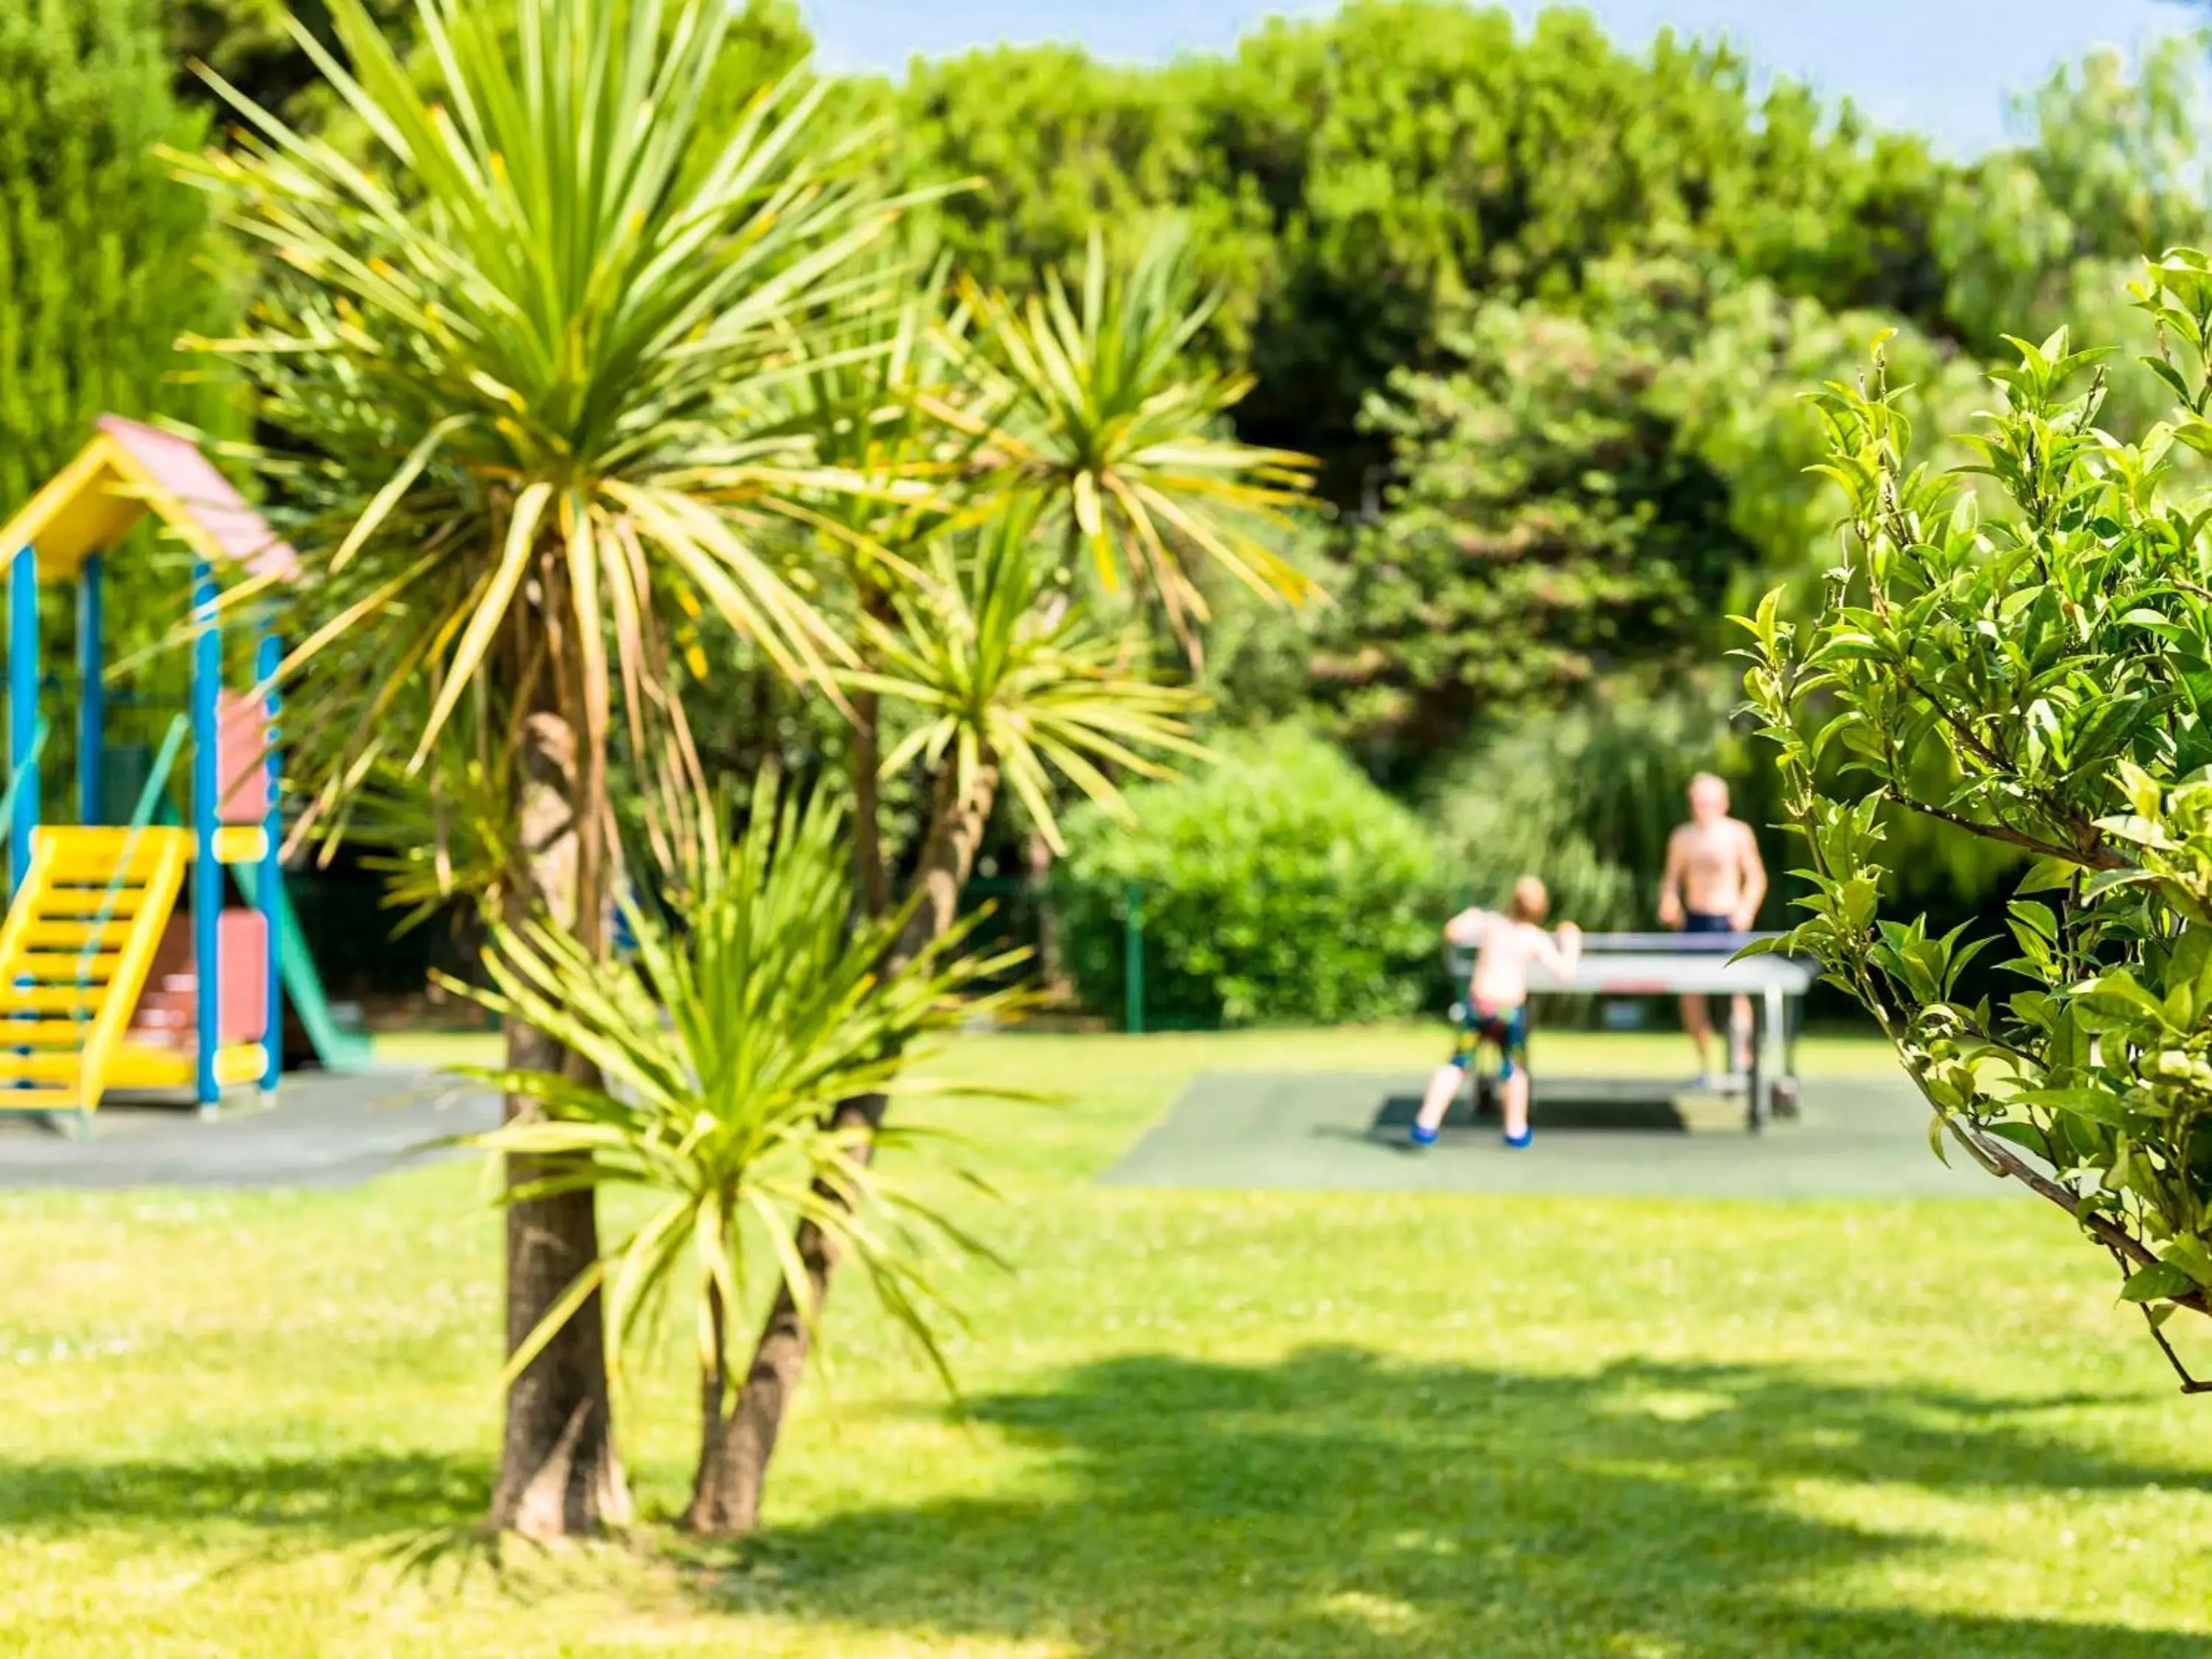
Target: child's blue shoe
[(1417, 1136), (1520, 1142)]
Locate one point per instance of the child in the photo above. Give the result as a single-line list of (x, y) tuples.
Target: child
[(1497, 1002)]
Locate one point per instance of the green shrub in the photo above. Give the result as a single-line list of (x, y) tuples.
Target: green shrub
[(1278, 886)]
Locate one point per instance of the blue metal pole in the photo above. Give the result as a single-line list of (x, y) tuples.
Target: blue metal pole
[(207, 794), (92, 693), (22, 710), (267, 655)]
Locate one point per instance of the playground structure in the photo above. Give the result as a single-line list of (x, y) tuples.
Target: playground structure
[(104, 985)]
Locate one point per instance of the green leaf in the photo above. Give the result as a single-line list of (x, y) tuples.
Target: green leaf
[(2097, 1105), (2167, 372), (2160, 1282), (2021, 1134)]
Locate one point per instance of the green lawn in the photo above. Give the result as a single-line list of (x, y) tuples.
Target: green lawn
[(1198, 1425)]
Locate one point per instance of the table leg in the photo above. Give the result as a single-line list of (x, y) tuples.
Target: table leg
[(1779, 1071)]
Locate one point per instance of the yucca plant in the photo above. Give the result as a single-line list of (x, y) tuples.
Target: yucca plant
[(1092, 402), (1095, 404), (1007, 690), (750, 1010), (1083, 423), (998, 689), (521, 366), (858, 399)]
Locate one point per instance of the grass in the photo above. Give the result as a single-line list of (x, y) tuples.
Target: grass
[(1197, 1424)]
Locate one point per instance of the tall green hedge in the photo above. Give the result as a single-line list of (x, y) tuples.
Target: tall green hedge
[(1279, 886), (102, 255)]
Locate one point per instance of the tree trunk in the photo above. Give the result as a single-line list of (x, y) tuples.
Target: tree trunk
[(872, 880), (1052, 965), (872, 876), (735, 1449), (559, 1474), (715, 1500), (745, 1448), (956, 821)]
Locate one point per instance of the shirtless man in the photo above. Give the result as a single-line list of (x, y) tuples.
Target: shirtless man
[(1714, 884)]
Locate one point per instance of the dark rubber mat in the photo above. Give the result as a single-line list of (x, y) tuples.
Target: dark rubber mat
[(1853, 1138), (324, 1129)]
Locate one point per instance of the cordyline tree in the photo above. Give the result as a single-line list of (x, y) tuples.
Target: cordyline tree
[(998, 675), (2032, 664), (512, 358), (1077, 425), (720, 1056)]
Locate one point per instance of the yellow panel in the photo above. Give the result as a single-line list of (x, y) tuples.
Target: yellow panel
[(241, 1062), (139, 1066), (38, 1100), (45, 935), (99, 1056), (40, 1067), (85, 508), (241, 844), (62, 967), (92, 857), (58, 1033)]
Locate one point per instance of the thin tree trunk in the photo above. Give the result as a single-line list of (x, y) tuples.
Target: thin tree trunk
[(1052, 965), (957, 821), (713, 1502), (948, 856), (872, 879), (559, 1474), (872, 875)]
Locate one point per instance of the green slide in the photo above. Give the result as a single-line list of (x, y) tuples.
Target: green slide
[(339, 1051)]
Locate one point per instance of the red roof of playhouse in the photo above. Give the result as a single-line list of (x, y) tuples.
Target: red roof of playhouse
[(127, 472)]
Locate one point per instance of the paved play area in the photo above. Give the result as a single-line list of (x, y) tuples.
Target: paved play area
[(327, 1130), (1855, 1138)]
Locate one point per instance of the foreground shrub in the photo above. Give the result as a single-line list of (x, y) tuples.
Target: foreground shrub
[(2033, 666), (717, 1063), (1279, 885)]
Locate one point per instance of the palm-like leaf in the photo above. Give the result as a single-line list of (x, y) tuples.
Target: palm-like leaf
[(862, 399), (522, 363), (441, 835), (1093, 402), (721, 1053), (1034, 687)]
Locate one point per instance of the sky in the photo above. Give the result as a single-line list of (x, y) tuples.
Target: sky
[(1942, 67)]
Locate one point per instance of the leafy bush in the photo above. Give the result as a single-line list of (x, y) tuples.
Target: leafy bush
[(1279, 885), (2035, 670)]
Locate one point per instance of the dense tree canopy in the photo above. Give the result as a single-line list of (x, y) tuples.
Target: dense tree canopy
[(1541, 305), (1358, 180), (1547, 525)]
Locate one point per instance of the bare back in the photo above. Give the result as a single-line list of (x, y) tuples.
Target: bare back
[(1505, 948)]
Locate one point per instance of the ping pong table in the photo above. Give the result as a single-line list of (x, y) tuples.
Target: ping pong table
[(1670, 965)]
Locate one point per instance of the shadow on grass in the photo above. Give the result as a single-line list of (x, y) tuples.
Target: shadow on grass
[(331, 1500), (1335, 1504), (1338, 1504)]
